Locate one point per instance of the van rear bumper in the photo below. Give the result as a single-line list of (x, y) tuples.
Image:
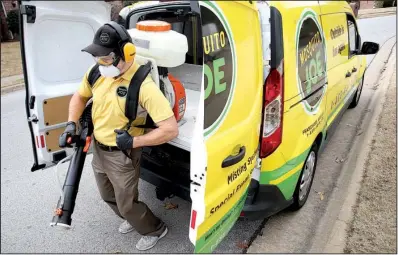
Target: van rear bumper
[(269, 201)]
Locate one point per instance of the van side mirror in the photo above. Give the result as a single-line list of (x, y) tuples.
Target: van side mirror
[(369, 48)]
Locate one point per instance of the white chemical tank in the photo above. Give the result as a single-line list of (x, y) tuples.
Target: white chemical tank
[(155, 39)]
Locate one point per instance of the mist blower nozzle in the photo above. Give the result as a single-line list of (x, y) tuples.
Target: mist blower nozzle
[(66, 202)]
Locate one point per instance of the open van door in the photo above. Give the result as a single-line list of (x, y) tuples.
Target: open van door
[(226, 136), (52, 36)]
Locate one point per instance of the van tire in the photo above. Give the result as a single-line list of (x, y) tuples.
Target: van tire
[(299, 199), (355, 99)]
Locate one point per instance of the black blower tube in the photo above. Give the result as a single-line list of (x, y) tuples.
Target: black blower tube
[(63, 214)]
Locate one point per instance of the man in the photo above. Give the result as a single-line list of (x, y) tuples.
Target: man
[(116, 174)]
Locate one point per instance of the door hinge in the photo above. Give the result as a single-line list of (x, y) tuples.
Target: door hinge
[(33, 118), (30, 12)]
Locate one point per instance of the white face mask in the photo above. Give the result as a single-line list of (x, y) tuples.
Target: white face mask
[(109, 71)]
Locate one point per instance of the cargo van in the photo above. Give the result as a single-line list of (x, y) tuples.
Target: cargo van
[(266, 84)]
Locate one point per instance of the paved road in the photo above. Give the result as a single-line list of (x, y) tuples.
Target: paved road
[(377, 30), (27, 199)]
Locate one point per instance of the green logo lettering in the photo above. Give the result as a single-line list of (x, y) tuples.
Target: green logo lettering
[(209, 76), (218, 75)]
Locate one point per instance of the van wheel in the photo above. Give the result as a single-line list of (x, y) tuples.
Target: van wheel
[(357, 96), (305, 180)]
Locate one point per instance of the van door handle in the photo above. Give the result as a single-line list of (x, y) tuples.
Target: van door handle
[(233, 159), (348, 74), (354, 70)]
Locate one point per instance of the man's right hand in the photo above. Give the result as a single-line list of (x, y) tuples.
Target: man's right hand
[(70, 131)]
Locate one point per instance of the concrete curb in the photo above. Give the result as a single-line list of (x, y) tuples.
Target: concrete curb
[(12, 83), (330, 236), (337, 241), (12, 88), (368, 16), (372, 13)]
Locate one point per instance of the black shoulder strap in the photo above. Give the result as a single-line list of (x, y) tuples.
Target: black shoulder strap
[(93, 75), (149, 123), (134, 92)]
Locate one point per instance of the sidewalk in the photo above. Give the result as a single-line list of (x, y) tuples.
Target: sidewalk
[(371, 13), (11, 67), (367, 220), (12, 83), (373, 228)]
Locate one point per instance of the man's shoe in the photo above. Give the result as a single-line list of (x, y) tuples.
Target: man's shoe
[(147, 242), (125, 227)]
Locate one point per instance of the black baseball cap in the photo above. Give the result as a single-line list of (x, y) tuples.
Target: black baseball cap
[(106, 40)]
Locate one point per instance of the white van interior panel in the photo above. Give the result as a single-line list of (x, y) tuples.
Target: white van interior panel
[(191, 76)]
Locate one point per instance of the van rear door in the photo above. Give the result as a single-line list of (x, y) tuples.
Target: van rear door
[(226, 137), (52, 36)]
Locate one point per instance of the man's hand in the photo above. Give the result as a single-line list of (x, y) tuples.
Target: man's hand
[(124, 140), (70, 131)]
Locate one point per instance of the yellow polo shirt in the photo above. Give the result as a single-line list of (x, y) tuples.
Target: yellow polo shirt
[(109, 99)]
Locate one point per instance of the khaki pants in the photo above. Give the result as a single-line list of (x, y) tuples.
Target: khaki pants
[(117, 180)]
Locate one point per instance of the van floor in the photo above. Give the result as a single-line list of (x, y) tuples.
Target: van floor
[(191, 77)]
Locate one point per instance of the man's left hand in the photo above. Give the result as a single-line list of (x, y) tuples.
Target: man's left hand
[(124, 140)]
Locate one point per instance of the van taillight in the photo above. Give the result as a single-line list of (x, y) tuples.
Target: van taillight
[(273, 112)]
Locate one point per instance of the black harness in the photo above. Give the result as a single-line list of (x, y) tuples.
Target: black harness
[(133, 92)]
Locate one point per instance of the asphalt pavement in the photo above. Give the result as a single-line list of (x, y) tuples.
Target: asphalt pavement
[(377, 30), (28, 199)]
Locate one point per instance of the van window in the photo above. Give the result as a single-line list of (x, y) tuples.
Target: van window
[(352, 35)]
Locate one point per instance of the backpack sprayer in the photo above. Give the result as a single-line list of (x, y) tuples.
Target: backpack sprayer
[(66, 202)]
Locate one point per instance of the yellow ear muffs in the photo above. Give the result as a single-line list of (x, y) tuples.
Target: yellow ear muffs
[(129, 52)]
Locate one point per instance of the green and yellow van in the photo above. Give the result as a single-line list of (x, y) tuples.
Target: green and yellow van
[(266, 83)]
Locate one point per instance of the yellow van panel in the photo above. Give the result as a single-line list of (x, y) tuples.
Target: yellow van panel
[(328, 7), (248, 85), (292, 10), (335, 27), (336, 32), (304, 117), (302, 126), (238, 124)]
